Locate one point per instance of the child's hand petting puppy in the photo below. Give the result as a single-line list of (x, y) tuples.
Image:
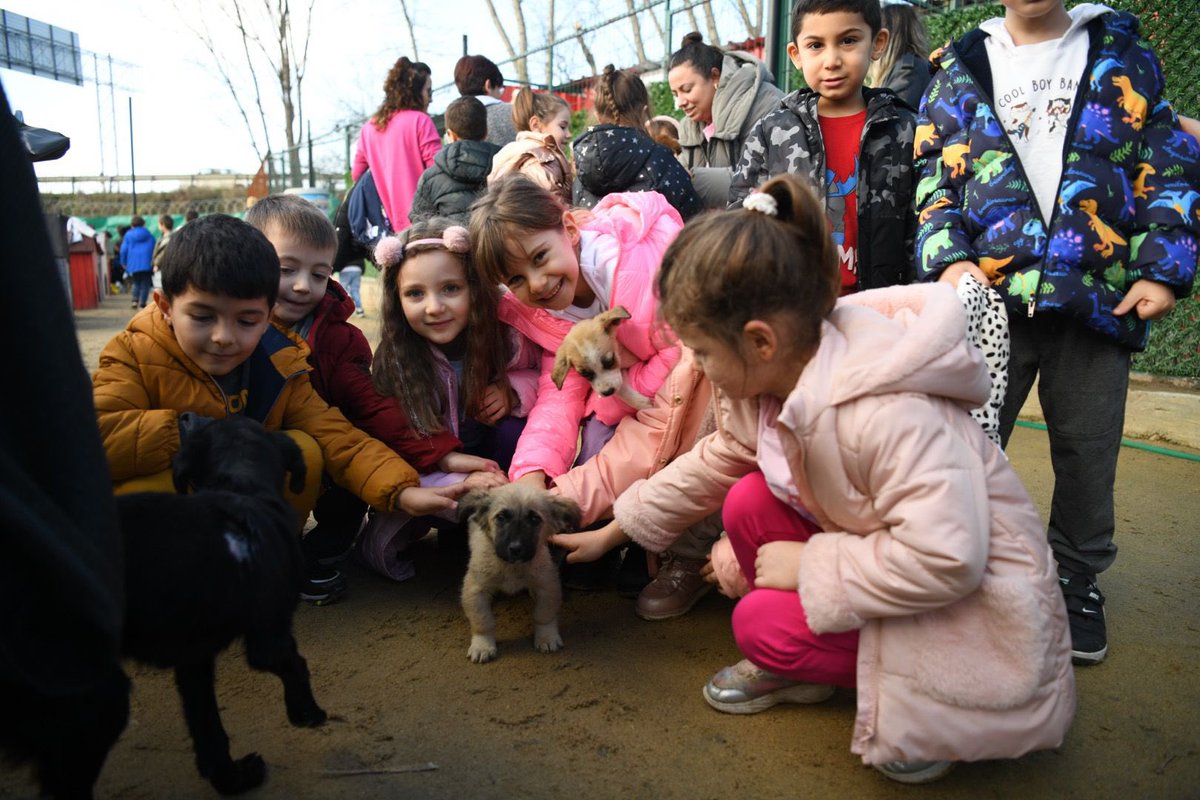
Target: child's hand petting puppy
[(418, 501), (484, 473), (590, 545)]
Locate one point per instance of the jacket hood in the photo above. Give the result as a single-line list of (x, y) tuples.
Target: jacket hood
[(466, 160), (138, 234), (608, 158), (1080, 15), (886, 341), (803, 102), (335, 306)]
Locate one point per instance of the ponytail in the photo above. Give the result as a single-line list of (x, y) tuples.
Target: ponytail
[(622, 99)]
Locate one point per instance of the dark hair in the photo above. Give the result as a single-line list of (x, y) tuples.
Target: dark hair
[(403, 89), (222, 255), (404, 365), (704, 58), (527, 103), (513, 205), (137, 221), (467, 118), (166, 222), (472, 72), (724, 270), (665, 131), (191, 215), (295, 216), (622, 99), (868, 9)]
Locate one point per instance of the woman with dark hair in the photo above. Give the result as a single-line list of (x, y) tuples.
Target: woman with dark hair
[(478, 76), (904, 66), (722, 96), (399, 142)]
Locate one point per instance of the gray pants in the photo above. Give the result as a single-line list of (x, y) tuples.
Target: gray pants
[(1082, 387)]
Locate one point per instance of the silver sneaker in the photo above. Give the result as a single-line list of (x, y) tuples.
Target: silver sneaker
[(915, 771), (746, 689)]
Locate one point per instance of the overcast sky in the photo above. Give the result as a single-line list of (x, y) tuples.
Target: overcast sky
[(184, 119)]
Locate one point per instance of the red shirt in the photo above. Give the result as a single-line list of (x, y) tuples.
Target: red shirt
[(842, 136)]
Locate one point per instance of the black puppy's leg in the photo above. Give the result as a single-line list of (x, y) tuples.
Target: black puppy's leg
[(197, 691), (279, 655)]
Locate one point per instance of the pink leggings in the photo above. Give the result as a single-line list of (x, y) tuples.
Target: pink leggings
[(769, 625)]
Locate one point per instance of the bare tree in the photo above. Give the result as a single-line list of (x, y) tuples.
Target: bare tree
[(587, 53), (412, 36), (519, 63), (751, 27), (636, 24), (713, 37), (271, 40)]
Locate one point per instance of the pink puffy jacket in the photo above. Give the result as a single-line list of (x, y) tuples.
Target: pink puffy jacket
[(643, 224), (930, 544)]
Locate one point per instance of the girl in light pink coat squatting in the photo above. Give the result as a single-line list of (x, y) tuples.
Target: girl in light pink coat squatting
[(462, 380), (560, 267), (887, 543)]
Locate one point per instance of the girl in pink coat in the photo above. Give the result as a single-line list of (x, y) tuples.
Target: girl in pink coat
[(887, 543), (560, 267)]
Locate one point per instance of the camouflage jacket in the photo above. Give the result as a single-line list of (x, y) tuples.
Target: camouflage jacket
[(1127, 201), (789, 140)]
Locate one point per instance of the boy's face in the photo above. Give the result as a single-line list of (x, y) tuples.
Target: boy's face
[(834, 51), (216, 331), (1033, 10), (304, 273)]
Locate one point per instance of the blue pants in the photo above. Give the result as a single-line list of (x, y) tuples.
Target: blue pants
[(142, 282), (350, 277)]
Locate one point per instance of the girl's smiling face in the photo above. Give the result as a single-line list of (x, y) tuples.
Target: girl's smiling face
[(558, 126), (434, 295), (543, 268)]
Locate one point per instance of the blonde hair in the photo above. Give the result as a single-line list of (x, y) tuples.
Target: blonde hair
[(527, 103), (724, 270)]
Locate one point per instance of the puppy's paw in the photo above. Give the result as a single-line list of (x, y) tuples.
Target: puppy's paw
[(307, 715), (482, 649), (546, 638)]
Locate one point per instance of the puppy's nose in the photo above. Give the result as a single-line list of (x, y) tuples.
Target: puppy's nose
[(608, 392)]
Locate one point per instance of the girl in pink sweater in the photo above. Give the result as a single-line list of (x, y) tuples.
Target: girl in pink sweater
[(399, 142), (886, 542), (560, 267)]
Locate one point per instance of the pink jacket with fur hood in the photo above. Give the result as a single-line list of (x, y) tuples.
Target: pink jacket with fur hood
[(931, 546), (642, 224)]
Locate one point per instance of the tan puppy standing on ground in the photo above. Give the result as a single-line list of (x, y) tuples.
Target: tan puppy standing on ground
[(508, 528), (591, 349)]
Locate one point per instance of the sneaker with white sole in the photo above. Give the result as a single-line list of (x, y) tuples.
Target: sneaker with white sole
[(744, 688), (1085, 615), (322, 586), (915, 771)]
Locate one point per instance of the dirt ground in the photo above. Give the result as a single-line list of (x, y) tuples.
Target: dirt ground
[(618, 712)]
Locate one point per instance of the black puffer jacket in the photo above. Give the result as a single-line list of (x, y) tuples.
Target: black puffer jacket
[(610, 159), (458, 176)]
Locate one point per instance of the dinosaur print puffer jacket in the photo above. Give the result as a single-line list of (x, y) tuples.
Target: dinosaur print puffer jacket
[(1127, 204)]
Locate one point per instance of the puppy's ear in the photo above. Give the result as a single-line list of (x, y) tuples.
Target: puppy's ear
[(561, 367), (613, 317), (563, 514), (293, 460), (472, 504), (188, 462)]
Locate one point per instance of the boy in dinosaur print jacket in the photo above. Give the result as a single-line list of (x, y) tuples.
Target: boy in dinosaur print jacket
[(1051, 167)]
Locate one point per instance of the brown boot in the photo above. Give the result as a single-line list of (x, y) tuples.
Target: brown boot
[(674, 591)]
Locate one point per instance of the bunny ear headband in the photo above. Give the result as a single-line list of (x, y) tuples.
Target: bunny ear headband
[(391, 249)]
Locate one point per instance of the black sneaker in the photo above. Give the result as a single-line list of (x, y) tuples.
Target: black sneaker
[(322, 586), (1085, 615), (327, 546)]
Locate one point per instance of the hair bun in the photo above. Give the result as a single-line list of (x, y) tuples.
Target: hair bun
[(695, 37)]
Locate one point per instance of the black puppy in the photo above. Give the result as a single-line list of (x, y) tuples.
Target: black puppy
[(203, 569)]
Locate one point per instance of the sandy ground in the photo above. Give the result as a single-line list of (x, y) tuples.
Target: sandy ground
[(618, 712)]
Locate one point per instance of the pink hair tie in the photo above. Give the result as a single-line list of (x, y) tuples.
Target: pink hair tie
[(456, 239)]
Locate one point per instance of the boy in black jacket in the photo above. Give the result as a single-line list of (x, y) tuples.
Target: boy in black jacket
[(460, 169)]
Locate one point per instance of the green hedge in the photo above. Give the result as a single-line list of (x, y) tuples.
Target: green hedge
[(1169, 27)]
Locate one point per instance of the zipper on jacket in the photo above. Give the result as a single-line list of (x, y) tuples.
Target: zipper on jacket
[(1068, 140)]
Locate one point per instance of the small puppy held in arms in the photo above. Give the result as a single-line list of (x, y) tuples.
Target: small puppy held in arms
[(222, 563), (591, 350), (508, 528)]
